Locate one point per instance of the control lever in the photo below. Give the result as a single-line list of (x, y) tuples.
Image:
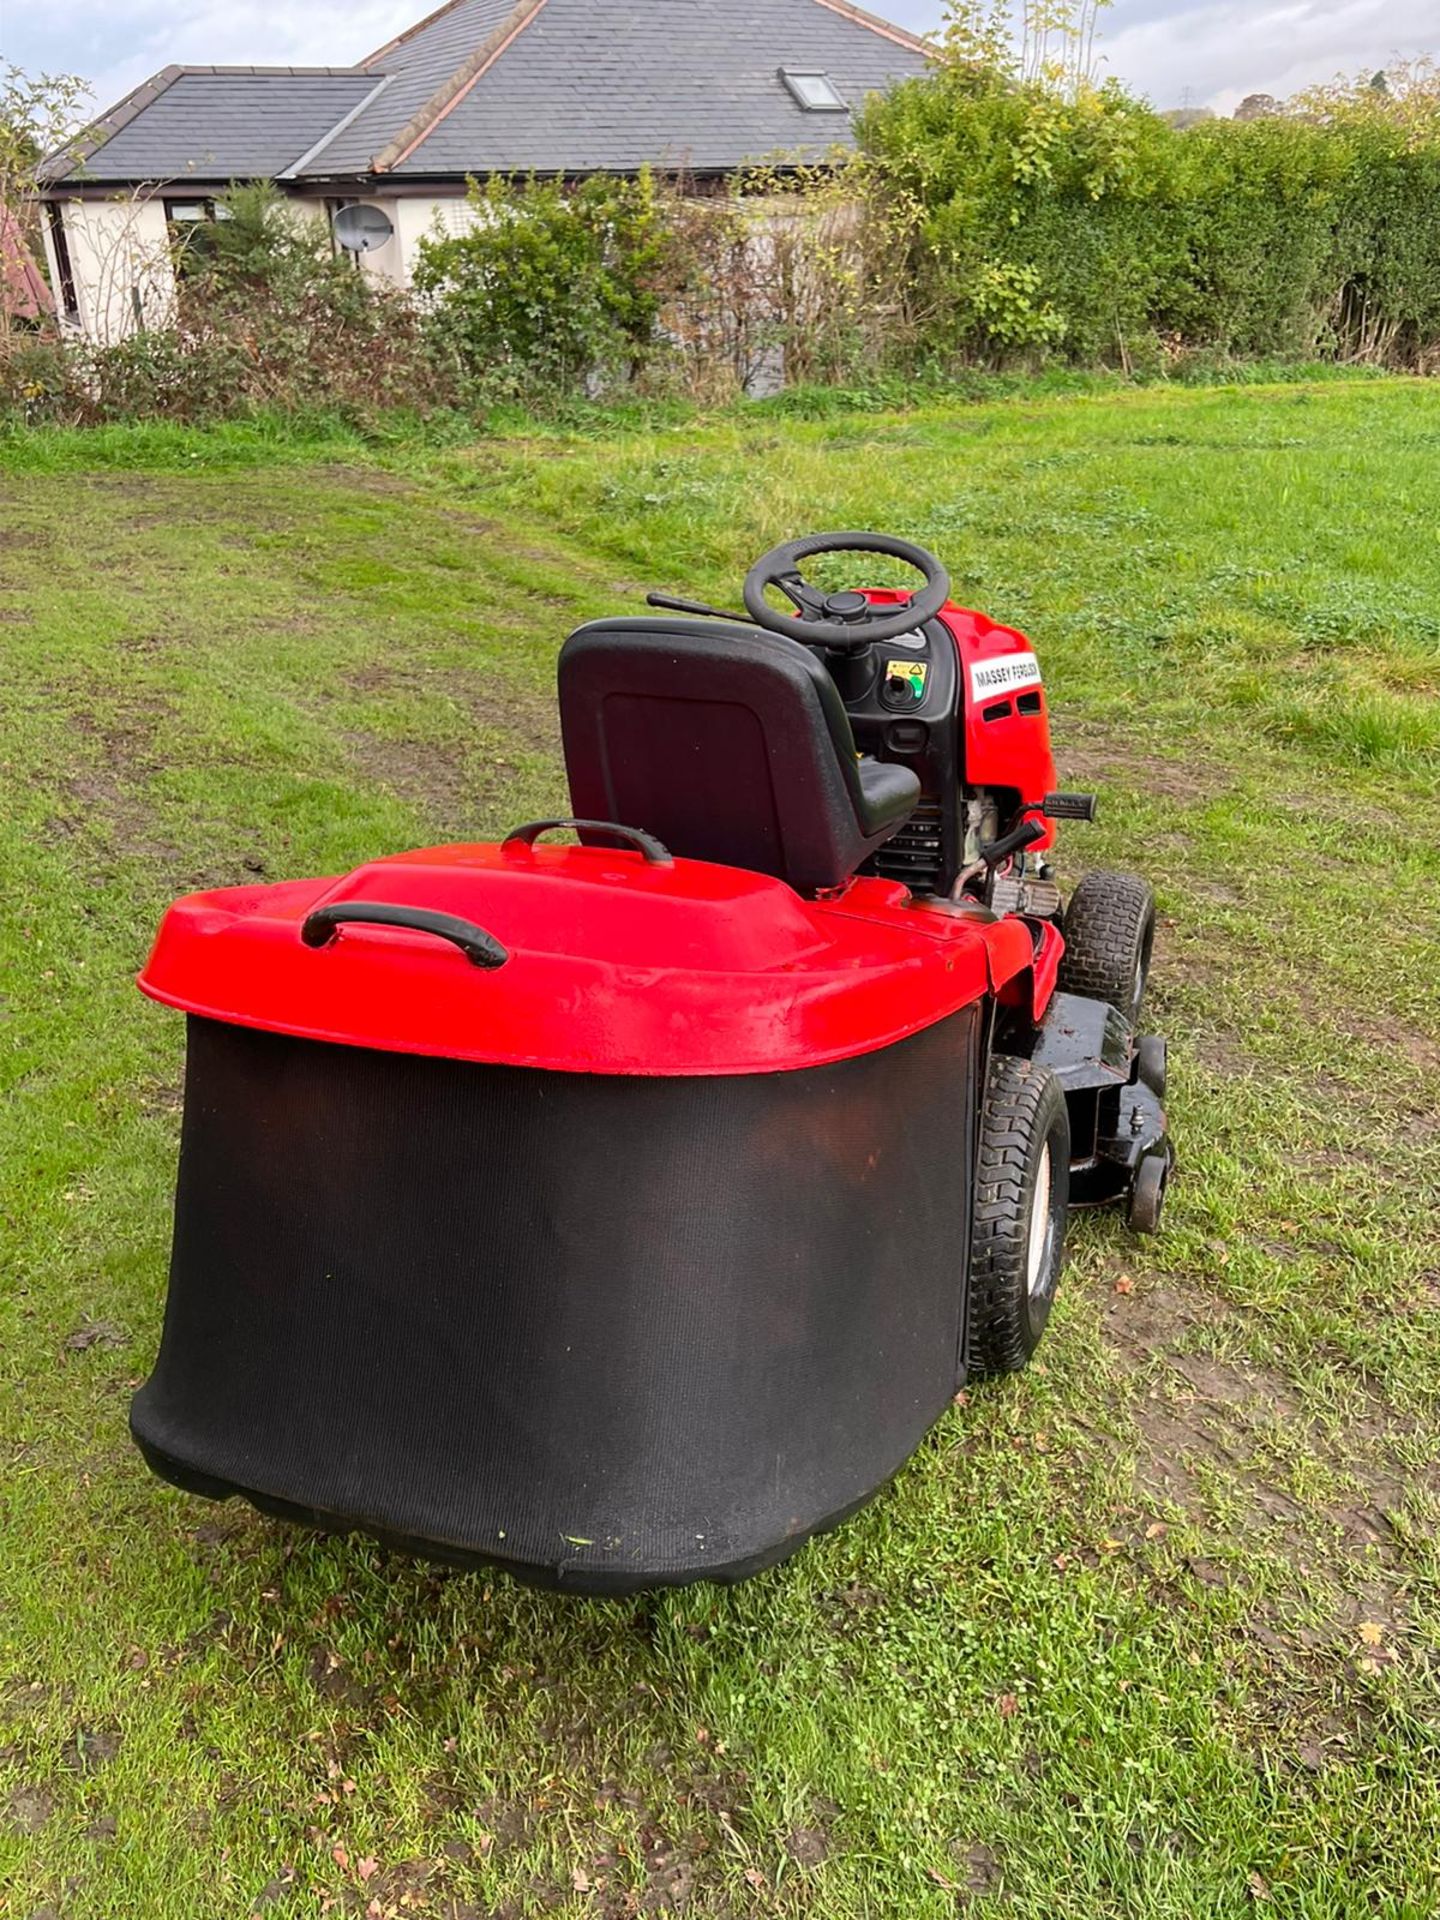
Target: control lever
[(993, 852), (1069, 806), (672, 605)]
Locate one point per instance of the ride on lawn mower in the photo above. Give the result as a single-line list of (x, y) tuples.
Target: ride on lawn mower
[(625, 1213)]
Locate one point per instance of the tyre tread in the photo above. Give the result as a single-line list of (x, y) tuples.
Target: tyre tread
[(1105, 930), (1019, 1110)]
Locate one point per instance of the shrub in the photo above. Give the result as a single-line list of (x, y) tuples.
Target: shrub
[(552, 287), (782, 278), (1001, 212), (1043, 221), (264, 301), (1035, 220), (35, 115)]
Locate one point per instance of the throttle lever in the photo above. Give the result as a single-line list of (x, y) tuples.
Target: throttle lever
[(673, 604), (993, 852)]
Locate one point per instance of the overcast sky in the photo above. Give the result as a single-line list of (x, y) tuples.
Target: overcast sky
[(1177, 52)]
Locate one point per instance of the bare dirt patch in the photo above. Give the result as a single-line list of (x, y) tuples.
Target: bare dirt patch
[(431, 778), (1092, 757), (26, 1809), (126, 752), (528, 716), (91, 1748), (127, 486), (364, 479), (1384, 1036), (1215, 1434), (451, 784)]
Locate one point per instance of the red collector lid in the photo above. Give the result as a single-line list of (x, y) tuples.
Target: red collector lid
[(611, 963)]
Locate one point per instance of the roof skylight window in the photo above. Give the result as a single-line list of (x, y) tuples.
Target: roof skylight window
[(815, 92)]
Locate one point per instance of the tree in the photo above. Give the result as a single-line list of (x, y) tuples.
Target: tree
[(1045, 42), (1058, 41)]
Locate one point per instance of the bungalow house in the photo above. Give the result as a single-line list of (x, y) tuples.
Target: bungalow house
[(552, 87)]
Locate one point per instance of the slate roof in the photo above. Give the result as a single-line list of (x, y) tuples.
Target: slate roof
[(513, 86), (214, 124), (423, 65)]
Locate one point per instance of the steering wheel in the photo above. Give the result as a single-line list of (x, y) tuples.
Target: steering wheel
[(844, 622)]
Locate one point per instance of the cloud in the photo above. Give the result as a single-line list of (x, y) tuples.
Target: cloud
[(1211, 52), (1215, 54), (115, 44)]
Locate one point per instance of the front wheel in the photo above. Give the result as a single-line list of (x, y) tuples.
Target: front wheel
[(1109, 936), (1022, 1197)]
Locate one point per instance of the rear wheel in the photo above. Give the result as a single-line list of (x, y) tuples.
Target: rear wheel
[(1109, 937), (1022, 1195)]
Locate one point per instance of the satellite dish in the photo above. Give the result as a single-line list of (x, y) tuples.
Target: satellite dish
[(361, 228)]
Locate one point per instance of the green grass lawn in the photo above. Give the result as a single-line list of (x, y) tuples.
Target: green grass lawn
[(1151, 1630)]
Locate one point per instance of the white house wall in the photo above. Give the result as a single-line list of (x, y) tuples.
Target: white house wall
[(120, 258), (425, 219), (413, 220), (385, 264), (124, 277)]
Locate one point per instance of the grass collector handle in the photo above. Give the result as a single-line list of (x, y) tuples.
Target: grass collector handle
[(480, 948), (656, 854)]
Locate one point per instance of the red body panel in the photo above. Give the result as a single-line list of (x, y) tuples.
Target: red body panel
[(1004, 746), (1049, 951), (616, 966)]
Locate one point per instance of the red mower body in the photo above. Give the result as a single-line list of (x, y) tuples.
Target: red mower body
[(616, 966), (1007, 723)]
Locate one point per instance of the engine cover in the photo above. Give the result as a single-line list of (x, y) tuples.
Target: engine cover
[(962, 702)]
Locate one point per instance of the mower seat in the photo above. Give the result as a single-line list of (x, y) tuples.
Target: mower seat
[(729, 744)]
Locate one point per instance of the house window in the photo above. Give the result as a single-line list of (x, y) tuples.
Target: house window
[(60, 243), (188, 222), (815, 92)]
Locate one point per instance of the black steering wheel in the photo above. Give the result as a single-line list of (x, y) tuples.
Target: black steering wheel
[(844, 622)]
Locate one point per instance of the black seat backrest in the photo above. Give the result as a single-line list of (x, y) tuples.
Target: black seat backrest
[(728, 743)]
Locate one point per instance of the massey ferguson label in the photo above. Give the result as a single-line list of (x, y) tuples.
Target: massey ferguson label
[(1011, 670)]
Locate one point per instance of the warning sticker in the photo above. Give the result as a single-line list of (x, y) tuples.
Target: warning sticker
[(1003, 675), (912, 672)]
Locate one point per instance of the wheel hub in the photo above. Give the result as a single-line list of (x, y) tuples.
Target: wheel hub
[(1035, 1262)]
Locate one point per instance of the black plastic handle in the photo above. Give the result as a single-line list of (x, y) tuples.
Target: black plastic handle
[(673, 604), (992, 852), (1069, 806), (480, 948), (656, 854)]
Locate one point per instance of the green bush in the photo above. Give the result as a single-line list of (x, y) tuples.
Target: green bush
[(553, 287), (1081, 224)]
